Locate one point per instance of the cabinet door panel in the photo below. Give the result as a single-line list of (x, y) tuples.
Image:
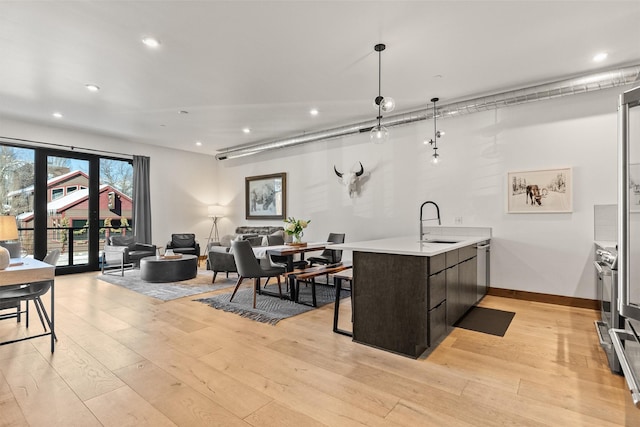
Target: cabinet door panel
[(437, 323), (453, 296), (437, 284), (468, 284)]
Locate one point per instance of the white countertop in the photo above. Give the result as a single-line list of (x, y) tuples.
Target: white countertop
[(411, 245)]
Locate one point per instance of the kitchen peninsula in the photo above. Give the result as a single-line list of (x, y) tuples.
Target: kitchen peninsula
[(407, 293)]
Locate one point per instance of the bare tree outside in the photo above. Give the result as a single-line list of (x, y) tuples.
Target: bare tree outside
[(16, 173), (118, 174)]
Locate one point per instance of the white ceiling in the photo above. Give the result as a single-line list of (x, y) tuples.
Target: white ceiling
[(265, 64)]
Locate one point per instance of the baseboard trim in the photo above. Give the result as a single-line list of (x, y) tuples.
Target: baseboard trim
[(546, 298)]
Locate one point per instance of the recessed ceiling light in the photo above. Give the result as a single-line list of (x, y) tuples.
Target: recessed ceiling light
[(198, 143), (600, 57), (151, 42), (92, 87), (183, 112), (57, 115), (246, 130), (314, 112)]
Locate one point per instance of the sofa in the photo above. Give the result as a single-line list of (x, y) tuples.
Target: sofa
[(220, 255)]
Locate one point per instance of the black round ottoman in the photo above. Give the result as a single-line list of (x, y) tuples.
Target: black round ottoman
[(154, 269)]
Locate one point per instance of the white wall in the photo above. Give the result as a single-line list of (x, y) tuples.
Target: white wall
[(548, 253), (183, 184)]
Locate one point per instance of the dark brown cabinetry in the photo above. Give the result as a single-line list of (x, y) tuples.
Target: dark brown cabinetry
[(406, 304), (437, 292), (468, 278)]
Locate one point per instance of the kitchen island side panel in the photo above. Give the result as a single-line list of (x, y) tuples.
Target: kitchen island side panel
[(389, 302)]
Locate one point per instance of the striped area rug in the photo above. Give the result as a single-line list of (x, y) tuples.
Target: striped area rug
[(270, 309)]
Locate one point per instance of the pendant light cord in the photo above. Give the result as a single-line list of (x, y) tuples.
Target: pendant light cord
[(379, 99)]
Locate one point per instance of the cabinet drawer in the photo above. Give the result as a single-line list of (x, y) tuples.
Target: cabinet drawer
[(452, 258), (437, 323), (437, 263), (467, 252), (437, 290)]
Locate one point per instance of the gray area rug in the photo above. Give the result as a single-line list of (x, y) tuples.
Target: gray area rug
[(168, 291), (271, 309)]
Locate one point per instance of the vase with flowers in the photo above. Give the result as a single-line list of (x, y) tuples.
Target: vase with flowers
[(294, 228)]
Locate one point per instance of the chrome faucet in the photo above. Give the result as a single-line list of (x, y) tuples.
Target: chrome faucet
[(422, 233)]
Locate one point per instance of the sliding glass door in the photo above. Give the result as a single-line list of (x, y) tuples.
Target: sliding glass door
[(66, 200), (68, 214)]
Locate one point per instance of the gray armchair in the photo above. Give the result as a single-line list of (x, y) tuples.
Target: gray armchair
[(184, 243), (221, 257), (123, 252), (220, 260)]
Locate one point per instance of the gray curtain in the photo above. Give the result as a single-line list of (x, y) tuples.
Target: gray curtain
[(141, 199)]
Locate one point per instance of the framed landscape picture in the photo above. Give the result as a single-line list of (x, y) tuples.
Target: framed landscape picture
[(540, 191), (266, 196)]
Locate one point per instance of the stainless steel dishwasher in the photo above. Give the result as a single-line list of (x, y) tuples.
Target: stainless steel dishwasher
[(484, 254)]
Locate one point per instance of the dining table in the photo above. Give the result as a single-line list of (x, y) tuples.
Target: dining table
[(289, 251), (24, 271)]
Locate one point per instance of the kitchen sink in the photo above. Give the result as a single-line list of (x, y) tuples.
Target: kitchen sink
[(445, 241)]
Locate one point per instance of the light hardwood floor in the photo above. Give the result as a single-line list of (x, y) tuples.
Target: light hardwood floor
[(124, 359)]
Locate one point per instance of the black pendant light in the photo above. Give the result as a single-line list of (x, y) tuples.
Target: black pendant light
[(379, 133), (435, 158)]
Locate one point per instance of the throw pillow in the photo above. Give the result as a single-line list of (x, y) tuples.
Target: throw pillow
[(226, 240), (255, 241)]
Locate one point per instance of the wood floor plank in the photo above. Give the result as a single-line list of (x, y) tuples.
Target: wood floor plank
[(44, 397), (10, 412), (606, 408), (86, 376), (133, 410), (177, 401), (410, 414), (276, 415), (534, 409), (291, 391), (278, 365), (212, 383)]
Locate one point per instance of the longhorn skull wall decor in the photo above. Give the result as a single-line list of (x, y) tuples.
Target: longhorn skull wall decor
[(350, 180)]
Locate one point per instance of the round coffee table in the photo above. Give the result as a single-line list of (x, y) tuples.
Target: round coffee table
[(155, 269)]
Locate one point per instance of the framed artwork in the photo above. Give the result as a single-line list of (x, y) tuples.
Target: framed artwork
[(266, 196), (540, 191), (634, 187)]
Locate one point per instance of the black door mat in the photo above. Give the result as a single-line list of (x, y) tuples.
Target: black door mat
[(486, 320)]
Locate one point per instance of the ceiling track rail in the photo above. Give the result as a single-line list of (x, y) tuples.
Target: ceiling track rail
[(572, 86)]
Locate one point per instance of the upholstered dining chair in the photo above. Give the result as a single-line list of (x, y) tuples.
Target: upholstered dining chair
[(249, 268), (33, 292), (329, 256), (280, 260)]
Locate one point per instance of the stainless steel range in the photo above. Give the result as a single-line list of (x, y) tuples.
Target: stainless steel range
[(606, 264)]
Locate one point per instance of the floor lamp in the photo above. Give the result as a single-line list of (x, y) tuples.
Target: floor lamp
[(215, 212)]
